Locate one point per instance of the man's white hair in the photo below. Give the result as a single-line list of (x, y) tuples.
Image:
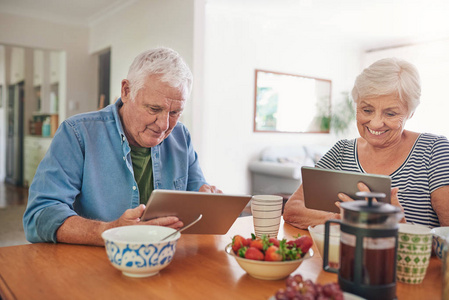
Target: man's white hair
[(160, 61)]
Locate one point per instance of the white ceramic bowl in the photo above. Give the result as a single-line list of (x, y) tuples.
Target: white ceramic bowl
[(268, 270), (439, 235), (317, 233), (137, 250)]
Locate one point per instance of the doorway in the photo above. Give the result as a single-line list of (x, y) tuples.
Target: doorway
[(15, 133), (104, 76)]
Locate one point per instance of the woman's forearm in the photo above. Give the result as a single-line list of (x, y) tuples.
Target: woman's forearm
[(296, 214), (301, 217)]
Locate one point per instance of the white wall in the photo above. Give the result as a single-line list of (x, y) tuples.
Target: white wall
[(237, 44), (432, 62), (34, 33), (141, 26)]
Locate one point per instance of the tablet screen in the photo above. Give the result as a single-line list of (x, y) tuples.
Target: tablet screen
[(321, 186), (219, 210)]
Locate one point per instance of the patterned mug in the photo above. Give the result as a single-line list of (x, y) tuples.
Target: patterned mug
[(413, 255)]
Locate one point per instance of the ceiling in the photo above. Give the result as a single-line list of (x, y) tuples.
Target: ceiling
[(373, 23), (75, 12)]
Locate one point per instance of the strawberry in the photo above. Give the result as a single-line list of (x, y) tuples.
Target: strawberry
[(291, 243), (257, 243), (288, 250), (273, 254), (254, 254), (238, 242), (274, 241), (304, 243), (242, 252)]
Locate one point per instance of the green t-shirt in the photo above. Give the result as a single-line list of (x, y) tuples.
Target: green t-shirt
[(143, 171)]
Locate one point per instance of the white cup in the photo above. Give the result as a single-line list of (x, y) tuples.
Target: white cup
[(266, 211)]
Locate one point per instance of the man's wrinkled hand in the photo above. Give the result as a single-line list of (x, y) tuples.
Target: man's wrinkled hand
[(205, 188)]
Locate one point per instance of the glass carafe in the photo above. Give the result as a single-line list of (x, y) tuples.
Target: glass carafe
[(368, 245)]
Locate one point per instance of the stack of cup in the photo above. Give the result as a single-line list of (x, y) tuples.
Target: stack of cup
[(414, 250), (266, 211)]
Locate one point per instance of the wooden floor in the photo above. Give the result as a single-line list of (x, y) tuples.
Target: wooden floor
[(11, 195), (13, 200)]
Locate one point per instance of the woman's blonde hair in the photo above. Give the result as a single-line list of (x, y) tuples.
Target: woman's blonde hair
[(389, 76)]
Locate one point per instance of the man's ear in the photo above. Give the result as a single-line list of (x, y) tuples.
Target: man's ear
[(125, 91)]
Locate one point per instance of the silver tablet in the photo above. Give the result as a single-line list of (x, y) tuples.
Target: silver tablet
[(321, 186), (219, 210)]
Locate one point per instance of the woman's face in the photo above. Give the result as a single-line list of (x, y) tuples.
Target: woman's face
[(381, 120)]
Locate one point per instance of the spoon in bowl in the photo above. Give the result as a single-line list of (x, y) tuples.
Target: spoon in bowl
[(183, 228)]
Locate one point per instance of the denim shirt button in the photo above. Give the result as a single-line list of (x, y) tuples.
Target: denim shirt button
[(124, 158), (134, 188)]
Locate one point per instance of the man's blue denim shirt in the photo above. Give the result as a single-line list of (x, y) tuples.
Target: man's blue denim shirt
[(87, 171)]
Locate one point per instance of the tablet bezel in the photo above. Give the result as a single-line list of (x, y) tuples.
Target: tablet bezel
[(219, 210), (321, 186)]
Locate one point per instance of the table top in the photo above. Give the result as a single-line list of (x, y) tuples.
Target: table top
[(200, 268)]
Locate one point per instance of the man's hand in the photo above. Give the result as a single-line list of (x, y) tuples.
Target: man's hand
[(132, 217), (78, 230), (210, 189)]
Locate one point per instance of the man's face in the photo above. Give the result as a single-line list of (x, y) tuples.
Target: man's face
[(153, 114)]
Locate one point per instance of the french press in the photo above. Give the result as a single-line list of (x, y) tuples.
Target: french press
[(368, 246)]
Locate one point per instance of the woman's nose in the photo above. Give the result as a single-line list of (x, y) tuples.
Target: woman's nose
[(377, 121)]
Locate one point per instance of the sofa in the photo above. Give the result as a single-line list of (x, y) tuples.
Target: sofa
[(277, 171)]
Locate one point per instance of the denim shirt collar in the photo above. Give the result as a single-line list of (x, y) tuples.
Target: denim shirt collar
[(118, 121), (117, 105)]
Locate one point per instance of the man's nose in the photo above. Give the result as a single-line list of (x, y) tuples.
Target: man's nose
[(163, 121)]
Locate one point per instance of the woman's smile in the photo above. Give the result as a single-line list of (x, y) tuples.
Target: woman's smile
[(376, 132)]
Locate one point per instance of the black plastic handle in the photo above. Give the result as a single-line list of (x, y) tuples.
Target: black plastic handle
[(326, 266)]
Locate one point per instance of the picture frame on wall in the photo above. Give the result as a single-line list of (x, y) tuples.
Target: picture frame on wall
[(291, 103)]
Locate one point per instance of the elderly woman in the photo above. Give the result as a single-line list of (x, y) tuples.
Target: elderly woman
[(387, 94)]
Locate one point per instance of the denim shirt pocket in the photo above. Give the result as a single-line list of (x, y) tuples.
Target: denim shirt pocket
[(181, 183)]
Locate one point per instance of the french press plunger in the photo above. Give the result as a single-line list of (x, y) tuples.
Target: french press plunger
[(368, 246)]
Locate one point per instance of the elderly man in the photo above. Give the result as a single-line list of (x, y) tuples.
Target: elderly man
[(102, 166)]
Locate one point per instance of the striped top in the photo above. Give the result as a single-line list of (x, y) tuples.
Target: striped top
[(425, 169)]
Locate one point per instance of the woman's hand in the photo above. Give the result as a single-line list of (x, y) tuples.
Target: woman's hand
[(345, 198), (394, 200)]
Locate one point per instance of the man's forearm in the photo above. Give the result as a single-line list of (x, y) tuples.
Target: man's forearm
[(78, 230)]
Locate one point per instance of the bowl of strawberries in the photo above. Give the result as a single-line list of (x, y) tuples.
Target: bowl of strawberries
[(269, 258)]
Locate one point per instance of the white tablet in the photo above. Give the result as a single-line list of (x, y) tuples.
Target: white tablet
[(321, 186), (219, 210)]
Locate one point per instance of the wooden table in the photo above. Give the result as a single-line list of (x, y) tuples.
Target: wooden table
[(200, 269)]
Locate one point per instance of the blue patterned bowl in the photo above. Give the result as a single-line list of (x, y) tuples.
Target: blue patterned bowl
[(137, 250), (439, 235)]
